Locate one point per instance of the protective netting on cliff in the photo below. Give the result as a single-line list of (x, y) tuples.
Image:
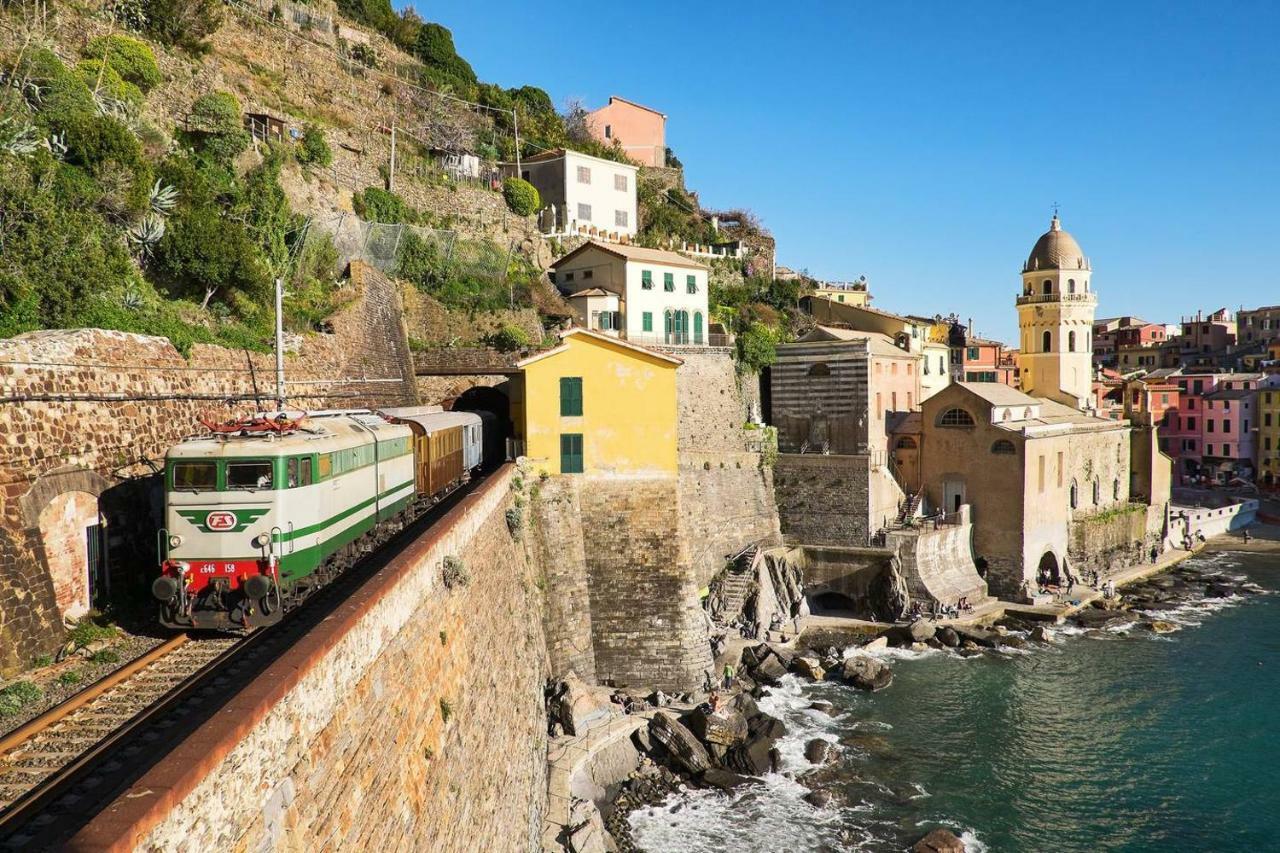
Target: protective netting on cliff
[(384, 246)]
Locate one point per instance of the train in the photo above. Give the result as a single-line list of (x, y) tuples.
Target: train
[(262, 511)]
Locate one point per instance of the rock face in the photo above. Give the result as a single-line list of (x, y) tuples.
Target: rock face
[(726, 727), (684, 748), (577, 706), (939, 841), (866, 673)]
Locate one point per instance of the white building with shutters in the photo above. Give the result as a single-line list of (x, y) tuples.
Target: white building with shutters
[(643, 295), (585, 192)]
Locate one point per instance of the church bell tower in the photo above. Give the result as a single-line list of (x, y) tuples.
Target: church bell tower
[(1055, 320)]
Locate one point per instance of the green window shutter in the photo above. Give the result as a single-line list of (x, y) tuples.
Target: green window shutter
[(669, 282), (646, 279), (647, 321), (571, 453), (692, 283), (570, 396)]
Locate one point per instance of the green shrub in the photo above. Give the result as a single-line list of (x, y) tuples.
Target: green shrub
[(106, 82), (184, 23), (91, 628), (757, 348), (218, 126), (435, 48), (375, 204), (446, 709), (63, 95), (17, 696), (104, 656), (522, 197), (509, 339), (205, 254), (70, 677), (314, 149), (132, 59)]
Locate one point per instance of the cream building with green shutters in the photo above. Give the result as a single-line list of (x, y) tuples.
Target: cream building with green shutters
[(647, 296)]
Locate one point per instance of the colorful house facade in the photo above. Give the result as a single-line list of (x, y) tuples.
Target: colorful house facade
[(597, 405)]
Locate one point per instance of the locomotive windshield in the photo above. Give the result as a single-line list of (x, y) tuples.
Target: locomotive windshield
[(195, 476), (249, 475)]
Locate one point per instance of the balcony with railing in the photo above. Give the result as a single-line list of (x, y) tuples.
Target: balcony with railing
[(1036, 298)]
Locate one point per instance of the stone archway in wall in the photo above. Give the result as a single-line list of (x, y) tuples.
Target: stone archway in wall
[(1049, 572), (63, 521)]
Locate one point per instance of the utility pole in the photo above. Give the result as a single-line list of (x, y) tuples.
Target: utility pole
[(391, 178), (279, 344), (515, 123)]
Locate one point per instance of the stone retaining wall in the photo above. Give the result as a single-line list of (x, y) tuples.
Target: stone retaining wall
[(94, 411), (823, 500), (726, 501), (412, 718)]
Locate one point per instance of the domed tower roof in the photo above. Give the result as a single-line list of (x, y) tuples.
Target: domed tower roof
[(1056, 249)]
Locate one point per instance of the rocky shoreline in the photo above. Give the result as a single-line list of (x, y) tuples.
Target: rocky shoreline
[(694, 747)]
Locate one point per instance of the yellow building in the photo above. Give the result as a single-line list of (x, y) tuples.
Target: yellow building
[(1269, 431), (846, 292), (598, 405)]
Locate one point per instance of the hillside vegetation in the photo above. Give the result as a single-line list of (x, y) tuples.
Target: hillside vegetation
[(132, 198)]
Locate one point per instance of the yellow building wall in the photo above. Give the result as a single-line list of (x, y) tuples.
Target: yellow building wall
[(857, 298), (1268, 446), (628, 421)]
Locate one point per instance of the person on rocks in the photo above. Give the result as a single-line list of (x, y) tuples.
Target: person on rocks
[(728, 675)]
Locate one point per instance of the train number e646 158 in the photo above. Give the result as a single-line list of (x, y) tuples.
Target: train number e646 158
[(214, 568)]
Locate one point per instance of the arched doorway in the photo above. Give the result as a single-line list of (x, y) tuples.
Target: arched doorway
[(71, 536), (832, 603), (1048, 573)]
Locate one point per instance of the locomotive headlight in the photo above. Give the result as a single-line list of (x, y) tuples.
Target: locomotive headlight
[(175, 540), (262, 540)]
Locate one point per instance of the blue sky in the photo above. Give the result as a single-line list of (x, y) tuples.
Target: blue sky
[(923, 144)]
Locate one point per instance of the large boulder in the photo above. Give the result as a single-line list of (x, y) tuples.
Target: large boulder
[(756, 757), (922, 631), (808, 667), (725, 726), (725, 780), (978, 636), (578, 706), (819, 751), (1041, 634), (681, 744), (948, 637), (866, 673), (939, 841), (898, 637)]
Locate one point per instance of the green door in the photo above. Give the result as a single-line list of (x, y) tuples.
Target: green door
[(697, 327)]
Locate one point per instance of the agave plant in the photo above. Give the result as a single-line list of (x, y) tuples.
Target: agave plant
[(146, 234), (164, 197), (57, 145), (16, 137), (131, 300)]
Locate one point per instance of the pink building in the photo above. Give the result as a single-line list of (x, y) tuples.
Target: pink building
[(1214, 333), (642, 132), (1211, 433)]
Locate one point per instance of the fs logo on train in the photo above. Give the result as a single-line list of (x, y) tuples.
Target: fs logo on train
[(219, 521)]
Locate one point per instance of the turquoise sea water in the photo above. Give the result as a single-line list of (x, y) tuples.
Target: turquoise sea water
[(1115, 741)]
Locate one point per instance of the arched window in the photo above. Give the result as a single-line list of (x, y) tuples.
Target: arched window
[(1097, 491), (956, 418), (1008, 415), (1026, 414), (1071, 285), (819, 369), (1004, 447), (669, 327), (697, 327), (1048, 287), (1075, 495), (1046, 341), (1071, 341), (1115, 489), (905, 443)]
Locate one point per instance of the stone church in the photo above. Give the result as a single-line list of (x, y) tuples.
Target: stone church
[(1051, 488)]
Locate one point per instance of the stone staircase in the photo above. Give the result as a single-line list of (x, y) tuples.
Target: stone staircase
[(736, 584), (910, 507)]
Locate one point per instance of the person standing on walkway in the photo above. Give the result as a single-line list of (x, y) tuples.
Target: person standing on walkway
[(728, 676)]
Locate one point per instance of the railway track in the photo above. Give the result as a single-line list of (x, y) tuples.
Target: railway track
[(36, 755), (63, 767)]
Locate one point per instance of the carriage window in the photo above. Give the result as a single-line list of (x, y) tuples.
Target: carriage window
[(299, 472), (195, 475), (249, 475)]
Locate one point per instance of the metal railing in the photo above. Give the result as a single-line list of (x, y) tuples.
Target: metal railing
[(714, 339), (1056, 297)]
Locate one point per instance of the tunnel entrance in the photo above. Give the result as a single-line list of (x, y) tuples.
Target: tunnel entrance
[(494, 406), (832, 604)]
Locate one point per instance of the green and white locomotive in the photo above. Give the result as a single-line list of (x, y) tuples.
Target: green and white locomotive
[(260, 512)]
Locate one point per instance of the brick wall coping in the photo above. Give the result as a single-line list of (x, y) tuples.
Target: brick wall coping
[(125, 823)]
